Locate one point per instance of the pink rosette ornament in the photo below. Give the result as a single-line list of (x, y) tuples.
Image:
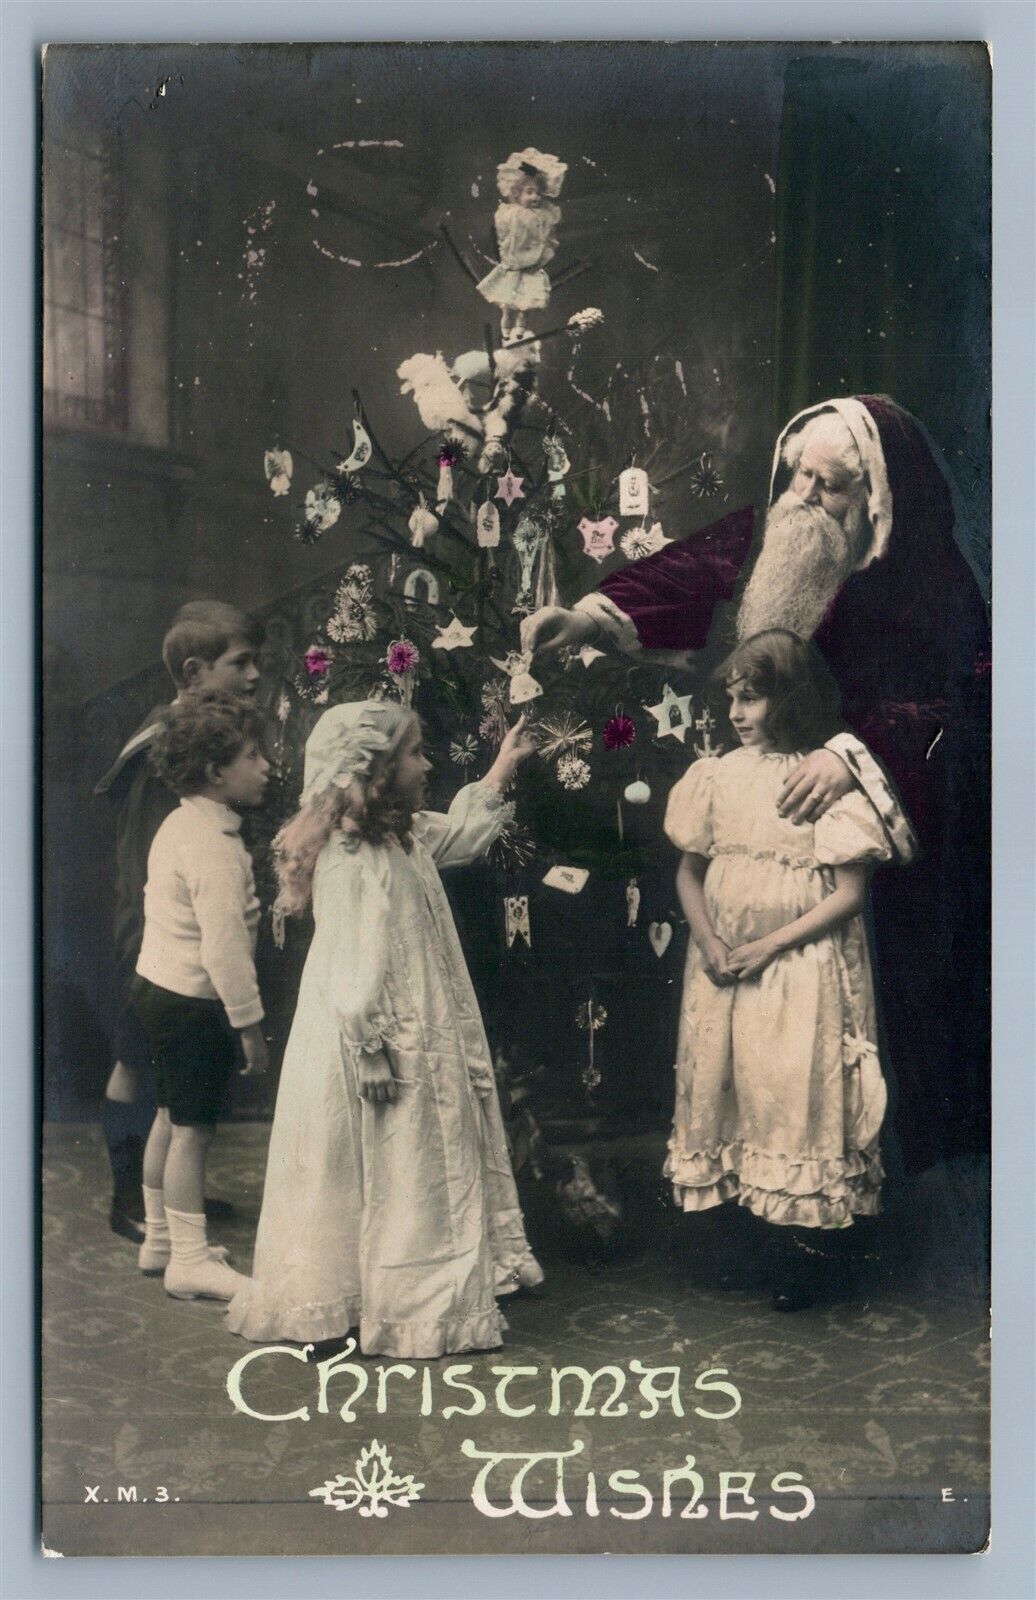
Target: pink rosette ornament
[(402, 659), (317, 661), (619, 733)]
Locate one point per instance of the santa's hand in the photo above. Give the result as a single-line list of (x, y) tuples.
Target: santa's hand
[(553, 628), (748, 960), (813, 786)]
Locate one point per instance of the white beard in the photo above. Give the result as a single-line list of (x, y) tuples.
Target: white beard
[(805, 559)]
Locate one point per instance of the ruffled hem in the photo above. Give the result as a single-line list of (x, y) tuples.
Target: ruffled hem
[(524, 289), (805, 1192), (263, 1319), (423, 1341)]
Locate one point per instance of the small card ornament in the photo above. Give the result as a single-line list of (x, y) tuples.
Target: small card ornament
[(659, 935), (570, 880), (598, 538), (487, 526), (516, 919), (633, 492), (673, 713)]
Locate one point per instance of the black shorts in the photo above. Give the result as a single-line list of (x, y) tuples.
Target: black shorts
[(193, 1051)]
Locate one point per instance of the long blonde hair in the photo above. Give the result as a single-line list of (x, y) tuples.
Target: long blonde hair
[(363, 805)]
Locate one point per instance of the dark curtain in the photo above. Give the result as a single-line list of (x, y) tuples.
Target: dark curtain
[(883, 247)]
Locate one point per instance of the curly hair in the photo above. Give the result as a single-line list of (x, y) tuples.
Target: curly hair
[(804, 704), (368, 810), (199, 730)]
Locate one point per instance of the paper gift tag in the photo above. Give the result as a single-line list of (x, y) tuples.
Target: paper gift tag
[(633, 492), (598, 538), (659, 934), (569, 879), (516, 919)]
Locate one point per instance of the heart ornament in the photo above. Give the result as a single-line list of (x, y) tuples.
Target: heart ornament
[(659, 935)]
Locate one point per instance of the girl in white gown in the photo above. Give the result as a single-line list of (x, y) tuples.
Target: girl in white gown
[(389, 1201), (779, 1090)]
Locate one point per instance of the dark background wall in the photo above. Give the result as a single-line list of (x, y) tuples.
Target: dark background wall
[(713, 227)]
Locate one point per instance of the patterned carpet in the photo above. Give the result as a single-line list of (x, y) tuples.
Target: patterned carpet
[(879, 1403)]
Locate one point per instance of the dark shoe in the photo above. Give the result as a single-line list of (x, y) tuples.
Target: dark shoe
[(799, 1266), (123, 1221), (750, 1275), (324, 1349), (219, 1210), (793, 1294)]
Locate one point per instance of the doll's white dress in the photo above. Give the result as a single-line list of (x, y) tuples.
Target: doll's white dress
[(779, 1091), (526, 241), (400, 1218)]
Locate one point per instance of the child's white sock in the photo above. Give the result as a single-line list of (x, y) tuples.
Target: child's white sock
[(157, 1235), (188, 1242), (192, 1269)]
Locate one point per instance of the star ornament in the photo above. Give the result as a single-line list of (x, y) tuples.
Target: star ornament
[(454, 637), (673, 714), (509, 488)]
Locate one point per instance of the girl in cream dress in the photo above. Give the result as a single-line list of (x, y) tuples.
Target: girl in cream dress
[(779, 1089)]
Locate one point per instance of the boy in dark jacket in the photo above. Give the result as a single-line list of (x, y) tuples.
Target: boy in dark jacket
[(210, 645)]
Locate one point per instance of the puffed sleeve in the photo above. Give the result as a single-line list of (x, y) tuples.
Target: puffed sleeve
[(477, 816), (852, 831), (876, 786), (688, 815), (353, 909)]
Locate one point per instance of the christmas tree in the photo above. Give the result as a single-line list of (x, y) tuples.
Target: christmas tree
[(540, 457)]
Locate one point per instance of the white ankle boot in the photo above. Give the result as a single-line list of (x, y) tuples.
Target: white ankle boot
[(192, 1272)]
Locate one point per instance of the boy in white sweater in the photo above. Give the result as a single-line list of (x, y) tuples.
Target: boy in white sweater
[(196, 979)]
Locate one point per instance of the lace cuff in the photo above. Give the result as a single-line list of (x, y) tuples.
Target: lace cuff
[(374, 1039)]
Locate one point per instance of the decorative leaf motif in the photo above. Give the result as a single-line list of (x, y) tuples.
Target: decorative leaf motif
[(372, 1488)]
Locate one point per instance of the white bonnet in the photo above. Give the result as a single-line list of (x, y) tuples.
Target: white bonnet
[(346, 741), (550, 169)]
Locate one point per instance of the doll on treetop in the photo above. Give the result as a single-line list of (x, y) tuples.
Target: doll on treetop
[(525, 221)]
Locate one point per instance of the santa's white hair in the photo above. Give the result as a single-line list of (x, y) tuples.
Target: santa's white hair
[(826, 431)]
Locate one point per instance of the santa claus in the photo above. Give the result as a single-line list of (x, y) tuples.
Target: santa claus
[(857, 551)]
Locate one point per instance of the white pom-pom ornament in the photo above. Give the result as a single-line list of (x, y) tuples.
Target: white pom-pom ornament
[(638, 793)]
